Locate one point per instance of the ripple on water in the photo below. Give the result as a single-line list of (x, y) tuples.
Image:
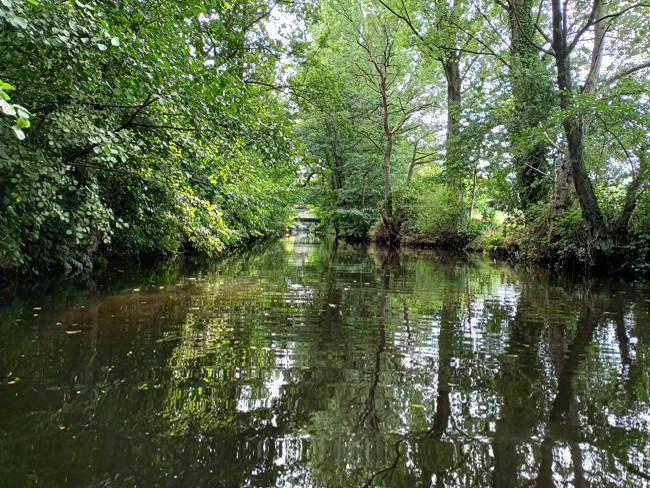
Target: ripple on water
[(304, 364)]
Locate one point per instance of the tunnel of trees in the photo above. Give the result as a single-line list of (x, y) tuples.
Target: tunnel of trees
[(512, 126)]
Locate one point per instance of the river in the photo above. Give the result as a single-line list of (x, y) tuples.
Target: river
[(306, 363)]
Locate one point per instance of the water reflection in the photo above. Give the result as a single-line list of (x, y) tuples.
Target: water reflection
[(307, 363)]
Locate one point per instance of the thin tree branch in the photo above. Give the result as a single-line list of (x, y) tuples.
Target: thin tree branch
[(625, 73), (592, 21)]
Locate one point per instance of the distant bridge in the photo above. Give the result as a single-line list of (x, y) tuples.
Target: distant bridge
[(305, 216), (305, 221)]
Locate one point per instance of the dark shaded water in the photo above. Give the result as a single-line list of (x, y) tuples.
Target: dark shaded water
[(303, 364)]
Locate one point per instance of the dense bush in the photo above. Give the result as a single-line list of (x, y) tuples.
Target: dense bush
[(430, 213), (134, 130)]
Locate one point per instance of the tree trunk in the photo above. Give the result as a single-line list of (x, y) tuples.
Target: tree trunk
[(471, 206), (452, 73), (574, 130), (388, 195), (414, 161), (451, 66), (561, 196), (591, 213), (392, 224)]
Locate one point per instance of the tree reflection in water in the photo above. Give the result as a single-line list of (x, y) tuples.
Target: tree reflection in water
[(307, 363)]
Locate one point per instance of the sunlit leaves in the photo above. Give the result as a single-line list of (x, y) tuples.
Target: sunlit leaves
[(132, 106)]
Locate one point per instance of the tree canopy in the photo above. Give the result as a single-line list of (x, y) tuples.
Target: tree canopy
[(131, 127)]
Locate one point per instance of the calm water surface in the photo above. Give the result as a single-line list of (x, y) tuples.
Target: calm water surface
[(310, 364)]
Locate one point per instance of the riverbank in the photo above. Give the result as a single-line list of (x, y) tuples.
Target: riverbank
[(528, 246), (102, 264)]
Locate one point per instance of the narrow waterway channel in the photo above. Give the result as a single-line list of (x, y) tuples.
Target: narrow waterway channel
[(315, 364)]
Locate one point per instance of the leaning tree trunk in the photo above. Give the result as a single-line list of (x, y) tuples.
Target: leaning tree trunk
[(563, 179), (574, 131)]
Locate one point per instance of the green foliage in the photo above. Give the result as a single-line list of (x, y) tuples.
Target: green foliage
[(355, 46), (636, 254), (148, 127), (490, 242), (571, 243), (144, 137), (13, 116), (432, 213), (506, 126), (353, 222)]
